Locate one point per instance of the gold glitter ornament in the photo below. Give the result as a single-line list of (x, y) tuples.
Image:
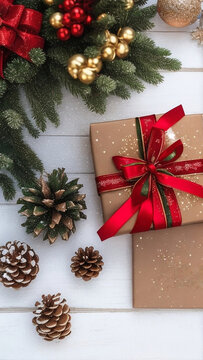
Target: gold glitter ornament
[(198, 33), (122, 49), (48, 2), (101, 16), (111, 38), (86, 75), (75, 63), (95, 64), (127, 34), (179, 13), (129, 4), (108, 52), (56, 20)]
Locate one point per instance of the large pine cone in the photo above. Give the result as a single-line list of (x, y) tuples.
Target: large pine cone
[(18, 264), (52, 206), (52, 318), (87, 264)]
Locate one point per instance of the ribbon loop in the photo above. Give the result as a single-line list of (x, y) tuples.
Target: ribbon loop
[(172, 153), (19, 29)]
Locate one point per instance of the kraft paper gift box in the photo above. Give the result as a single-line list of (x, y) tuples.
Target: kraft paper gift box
[(119, 137), (168, 268)]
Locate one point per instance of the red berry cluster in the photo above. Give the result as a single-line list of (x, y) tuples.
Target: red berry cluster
[(76, 16)]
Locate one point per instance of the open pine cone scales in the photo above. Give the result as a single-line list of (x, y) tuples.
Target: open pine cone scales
[(53, 206), (18, 264), (87, 264), (52, 318)]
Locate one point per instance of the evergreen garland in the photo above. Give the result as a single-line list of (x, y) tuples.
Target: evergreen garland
[(42, 79)]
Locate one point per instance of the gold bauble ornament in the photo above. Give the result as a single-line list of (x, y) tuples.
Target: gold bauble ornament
[(127, 34), (75, 63), (86, 75), (111, 38), (48, 2), (108, 52), (95, 64), (122, 49), (129, 4), (56, 20), (179, 13), (101, 16)]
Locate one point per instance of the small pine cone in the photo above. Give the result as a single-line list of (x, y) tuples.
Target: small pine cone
[(52, 206), (52, 318), (87, 263), (18, 264)]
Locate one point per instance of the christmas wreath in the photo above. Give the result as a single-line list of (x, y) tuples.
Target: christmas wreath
[(93, 48)]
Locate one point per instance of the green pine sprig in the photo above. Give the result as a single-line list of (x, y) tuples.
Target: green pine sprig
[(43, 77)]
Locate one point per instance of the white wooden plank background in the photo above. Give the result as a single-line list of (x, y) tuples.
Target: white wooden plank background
[(104, 325)]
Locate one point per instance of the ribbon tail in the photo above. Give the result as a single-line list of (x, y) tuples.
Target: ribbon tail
[(144, 217), (118, 219), (170, 118), (180, 184), (125, 212)]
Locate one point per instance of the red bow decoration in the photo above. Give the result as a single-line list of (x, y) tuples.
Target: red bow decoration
[(19, 29), (153, 178)]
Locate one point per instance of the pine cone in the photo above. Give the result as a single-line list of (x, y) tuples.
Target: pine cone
[(52, 318), (18, 264), (52, 206), (87, 263)]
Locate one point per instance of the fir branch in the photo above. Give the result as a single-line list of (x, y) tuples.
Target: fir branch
[(121, 91), (96, 103), (92, 51), (44, 76), (113, 7), (43, 97), (37, 56), (3, 87), (12, 101), (34, 4), (104, 23), (105, 84), (19, 71), (139, 19), (5, 162), (13, 118), (7, 185)]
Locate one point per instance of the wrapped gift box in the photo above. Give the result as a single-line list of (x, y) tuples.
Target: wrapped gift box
[(168, 268), (114, 138)]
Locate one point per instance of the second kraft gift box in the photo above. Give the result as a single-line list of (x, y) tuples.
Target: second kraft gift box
[(135, 163)]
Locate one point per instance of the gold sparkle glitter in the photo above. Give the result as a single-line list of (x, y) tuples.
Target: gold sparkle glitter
[(179, 13)]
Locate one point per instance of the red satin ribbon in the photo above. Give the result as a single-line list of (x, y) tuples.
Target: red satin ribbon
[(19, 29), (158, 168)]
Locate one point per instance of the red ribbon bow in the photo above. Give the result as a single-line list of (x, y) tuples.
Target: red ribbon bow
[(153, 178), (19, 29)]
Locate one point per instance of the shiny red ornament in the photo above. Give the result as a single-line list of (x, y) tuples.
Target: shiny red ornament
[(77, 30), (88, 20), (63, 34), (68, 4), (78, 14), (67, 20)]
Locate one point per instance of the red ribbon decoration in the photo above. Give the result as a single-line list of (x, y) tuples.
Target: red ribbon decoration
[(19, 29), (152, 179)]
